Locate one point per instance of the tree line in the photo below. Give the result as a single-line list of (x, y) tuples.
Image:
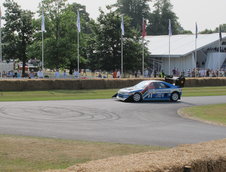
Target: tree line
[(100, 39)]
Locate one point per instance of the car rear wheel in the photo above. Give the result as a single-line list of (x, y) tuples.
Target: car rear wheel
[(174, 96), (137, 97)]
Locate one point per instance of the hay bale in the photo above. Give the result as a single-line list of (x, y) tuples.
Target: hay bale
[(203, 157), (76, 84)]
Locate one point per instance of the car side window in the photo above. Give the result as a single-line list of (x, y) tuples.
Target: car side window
[(160, 85), (151, 86)]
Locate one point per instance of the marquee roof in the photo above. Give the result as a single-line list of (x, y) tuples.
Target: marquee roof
[(180, 45)]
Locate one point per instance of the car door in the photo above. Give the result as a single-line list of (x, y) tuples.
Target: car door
[(149, 91), (162, 91)]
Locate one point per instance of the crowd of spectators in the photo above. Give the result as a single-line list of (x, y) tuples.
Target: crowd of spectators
[(64, 74), (199, 72)]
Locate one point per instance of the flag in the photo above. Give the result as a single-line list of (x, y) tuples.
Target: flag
[(122, 26), (144, 33), (78, 22), (43, 22), (170, 28), (196, 30), (220, 34)]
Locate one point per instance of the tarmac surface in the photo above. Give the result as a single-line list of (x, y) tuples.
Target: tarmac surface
[(148, 123)]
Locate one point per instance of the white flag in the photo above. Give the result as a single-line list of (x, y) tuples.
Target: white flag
[(122, 26), (43, 22), (170, 28), (78, 22)]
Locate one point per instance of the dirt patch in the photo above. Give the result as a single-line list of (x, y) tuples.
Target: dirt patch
[(203, 157)]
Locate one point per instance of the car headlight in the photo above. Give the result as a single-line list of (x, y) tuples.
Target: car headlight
[(125, 93)]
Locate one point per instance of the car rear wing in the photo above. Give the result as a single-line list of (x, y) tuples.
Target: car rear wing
[(177, 81)]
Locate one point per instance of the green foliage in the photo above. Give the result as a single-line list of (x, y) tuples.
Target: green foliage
[(207, 31), (216, 30), (159, 19), (18, 32), (106, 54), (135, 9), (60, 38)]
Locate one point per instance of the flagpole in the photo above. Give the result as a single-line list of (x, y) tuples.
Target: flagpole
[(78, 51), (196, 36), (0, 34), (143, 57), (43, 29), (170, 34), (122, 74), (122, 48), (78, 40), (220, 39), (169, 54), (42, 50), (143, 35)]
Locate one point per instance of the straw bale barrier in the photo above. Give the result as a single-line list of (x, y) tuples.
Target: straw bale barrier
[(203, 157), (75, 84)]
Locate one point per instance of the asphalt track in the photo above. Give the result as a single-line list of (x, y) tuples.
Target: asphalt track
[(149, 123)]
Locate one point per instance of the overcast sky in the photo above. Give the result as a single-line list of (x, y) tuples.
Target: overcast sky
[(207, 13)]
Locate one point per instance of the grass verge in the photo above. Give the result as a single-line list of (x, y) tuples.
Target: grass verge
[(204, 91), (28, 154), (208, 113), (94, 94)]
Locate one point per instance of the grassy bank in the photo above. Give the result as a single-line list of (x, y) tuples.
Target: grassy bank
[(27, 154), (209, 113), (94, 94)]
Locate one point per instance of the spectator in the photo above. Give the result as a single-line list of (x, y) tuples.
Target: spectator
[(146, 73), (64, 74), (31, 74), (57, 74), (118, 75), (114, 74), (40, 74), (76, 74)]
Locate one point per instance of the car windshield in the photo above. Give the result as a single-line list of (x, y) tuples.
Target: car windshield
[(142, 84)]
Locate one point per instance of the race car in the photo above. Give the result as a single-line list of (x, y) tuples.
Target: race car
[(150, 90)]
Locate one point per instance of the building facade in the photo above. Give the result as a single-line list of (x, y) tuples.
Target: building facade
[(184, 52)]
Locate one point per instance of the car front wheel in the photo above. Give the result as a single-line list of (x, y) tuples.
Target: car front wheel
[(174, 97), (137, 97)]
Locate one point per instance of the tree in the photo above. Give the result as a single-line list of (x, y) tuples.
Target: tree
[(106, 54), (159, 19), (135, 9), (216, 30), (61, 35), (53, 11), (207, 31), (18, 32)]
